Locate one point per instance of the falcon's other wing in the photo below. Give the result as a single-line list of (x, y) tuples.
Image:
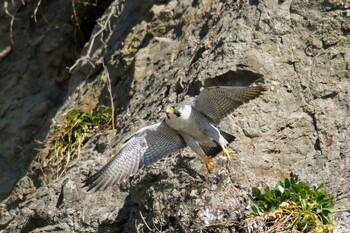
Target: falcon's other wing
[(145, 147), (219, 101)]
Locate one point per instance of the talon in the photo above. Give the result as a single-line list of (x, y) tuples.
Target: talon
[(208, 163), (227, 153)]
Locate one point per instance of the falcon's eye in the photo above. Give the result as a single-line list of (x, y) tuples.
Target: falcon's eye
[(173, 107)]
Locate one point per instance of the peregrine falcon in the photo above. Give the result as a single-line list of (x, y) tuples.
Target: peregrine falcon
[(186, 124)]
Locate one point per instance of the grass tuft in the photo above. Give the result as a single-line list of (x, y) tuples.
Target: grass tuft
[(63, 145), (292, 206)]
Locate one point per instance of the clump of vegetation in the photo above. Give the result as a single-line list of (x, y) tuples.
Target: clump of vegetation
[(292, 206), (63, 145)]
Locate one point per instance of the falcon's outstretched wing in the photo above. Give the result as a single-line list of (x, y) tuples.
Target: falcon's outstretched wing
[(145, 147), (217, 102)]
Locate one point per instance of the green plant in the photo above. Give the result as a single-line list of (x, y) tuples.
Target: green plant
[(65, 141), (294, 205)]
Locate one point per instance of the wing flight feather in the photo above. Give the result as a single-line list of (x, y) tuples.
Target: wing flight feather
[(219, 101), (144, 148)]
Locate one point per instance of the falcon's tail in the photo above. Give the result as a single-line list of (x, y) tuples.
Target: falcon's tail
[(229, 137), (213, 151)]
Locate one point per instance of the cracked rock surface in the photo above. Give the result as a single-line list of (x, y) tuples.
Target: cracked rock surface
[(158, 52)]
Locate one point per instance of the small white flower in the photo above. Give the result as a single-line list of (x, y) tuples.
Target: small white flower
[(280, 188)]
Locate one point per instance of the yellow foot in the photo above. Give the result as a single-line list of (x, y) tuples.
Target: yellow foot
[(227, 153), (208, 163)]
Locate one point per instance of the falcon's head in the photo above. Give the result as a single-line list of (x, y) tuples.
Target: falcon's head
[(179, 110)]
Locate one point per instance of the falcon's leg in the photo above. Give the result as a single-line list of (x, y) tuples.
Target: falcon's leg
[(208, 163), (193, 144), (221, 138), (227, 153)]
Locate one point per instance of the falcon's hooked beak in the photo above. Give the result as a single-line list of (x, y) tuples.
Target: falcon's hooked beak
[(170, 110)]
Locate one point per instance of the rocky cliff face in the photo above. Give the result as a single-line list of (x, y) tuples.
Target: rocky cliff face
[(157, 52)]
